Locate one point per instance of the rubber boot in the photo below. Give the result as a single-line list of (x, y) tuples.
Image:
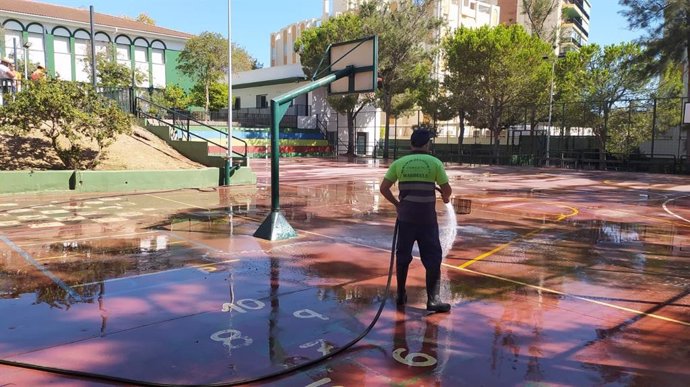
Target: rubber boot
[(401, 275), (433, 290)]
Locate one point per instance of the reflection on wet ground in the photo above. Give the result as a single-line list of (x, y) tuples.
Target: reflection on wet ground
[(556, 278)]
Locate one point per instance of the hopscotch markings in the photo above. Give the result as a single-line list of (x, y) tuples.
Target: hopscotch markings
[(320, 383), (10, 223), (113, 199), (409, 360), (111, 208), (233, 337), (250, 304), (325, 347), (8, 204)]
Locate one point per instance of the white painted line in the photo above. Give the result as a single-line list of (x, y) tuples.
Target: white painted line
[(46, 225), (8, 204), (20, 211), (110, 220), (32, 217), (10, 223), (673, 213), (196, 267), (28, 258), (69, 218), (54, 212)]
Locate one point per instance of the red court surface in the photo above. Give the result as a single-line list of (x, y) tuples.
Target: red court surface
[(557, 277)]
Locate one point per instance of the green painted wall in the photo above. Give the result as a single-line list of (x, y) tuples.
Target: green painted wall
[(119, 181), (50, 54), (27, 181), (173, 76)]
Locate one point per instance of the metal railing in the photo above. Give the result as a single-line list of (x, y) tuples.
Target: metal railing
[(181, 122)]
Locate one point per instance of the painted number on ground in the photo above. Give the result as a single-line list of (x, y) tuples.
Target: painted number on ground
[(232, 338), (414, 359)]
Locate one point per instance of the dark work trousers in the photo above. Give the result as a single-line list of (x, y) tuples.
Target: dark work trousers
[(426, 236)]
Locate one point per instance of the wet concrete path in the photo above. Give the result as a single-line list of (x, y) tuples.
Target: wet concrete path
[(556, 277)]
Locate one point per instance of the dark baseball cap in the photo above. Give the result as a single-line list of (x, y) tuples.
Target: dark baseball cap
[(420, 137)]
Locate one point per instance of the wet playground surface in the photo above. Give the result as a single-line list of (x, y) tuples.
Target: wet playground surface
[(556, 278)]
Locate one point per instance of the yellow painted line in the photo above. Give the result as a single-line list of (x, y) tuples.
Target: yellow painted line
[(614, 306), (573, 211)]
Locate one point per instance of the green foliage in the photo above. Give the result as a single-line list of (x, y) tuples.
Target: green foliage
[(537, 11), (312, 45), (205, 60), (172, 97), (79, 123), (217, 95), (110, 73), (407, 47), (667, 23), (600, 78), (495, 72)]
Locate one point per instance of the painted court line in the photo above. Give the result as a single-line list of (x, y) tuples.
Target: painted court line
[(537, 287), (673, 213), (28, 258), (88, 238), (178, 202), (606, 304), (574, 211)]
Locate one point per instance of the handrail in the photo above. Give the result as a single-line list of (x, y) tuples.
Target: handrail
[(190, 119)]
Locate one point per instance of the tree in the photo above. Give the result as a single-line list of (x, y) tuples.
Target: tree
[(110, 73), (205, 59), (172, 97), (407, 46), (494, 72), (667, 23), (537, 11), (312, 46), (146, 19), (217, 95), (79, 123), (600, 78)]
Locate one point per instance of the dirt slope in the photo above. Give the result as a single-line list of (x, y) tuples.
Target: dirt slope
[(138, 150)]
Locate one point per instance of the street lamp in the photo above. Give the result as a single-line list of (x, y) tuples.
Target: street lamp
[(26, 59)]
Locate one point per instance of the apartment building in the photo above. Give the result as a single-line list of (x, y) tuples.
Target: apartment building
[(58, 38), (456, 13), (568, 23)]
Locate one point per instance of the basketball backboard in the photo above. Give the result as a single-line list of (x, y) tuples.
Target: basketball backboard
[(362, 55)]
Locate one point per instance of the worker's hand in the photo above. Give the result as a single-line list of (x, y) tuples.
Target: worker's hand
[(446, 199)]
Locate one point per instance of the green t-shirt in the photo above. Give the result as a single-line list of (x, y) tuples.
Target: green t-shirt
[(417, 175)]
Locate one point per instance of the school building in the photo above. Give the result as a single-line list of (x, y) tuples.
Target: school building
[(58, 38)]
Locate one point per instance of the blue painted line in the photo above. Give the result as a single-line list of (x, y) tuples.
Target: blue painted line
[(46, 272)]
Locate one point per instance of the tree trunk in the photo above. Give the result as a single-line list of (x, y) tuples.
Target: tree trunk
[(208, 100), (461, 137), (387, 108), (350, 133)]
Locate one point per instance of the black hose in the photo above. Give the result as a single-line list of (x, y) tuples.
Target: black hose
[(107, 378)]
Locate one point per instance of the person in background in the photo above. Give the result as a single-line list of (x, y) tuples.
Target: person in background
[(417, 175), (39, 73)]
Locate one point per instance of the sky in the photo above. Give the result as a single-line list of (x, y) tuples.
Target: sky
[(253, 21)]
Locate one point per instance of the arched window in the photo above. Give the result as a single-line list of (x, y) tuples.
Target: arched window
[(13, 38), (158, 63), (63, 53), (82, 41), (122, 44), (141, 60), (37, 49)]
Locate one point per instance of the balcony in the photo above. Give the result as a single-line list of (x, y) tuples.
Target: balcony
[(571, 16), (579, 4)]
